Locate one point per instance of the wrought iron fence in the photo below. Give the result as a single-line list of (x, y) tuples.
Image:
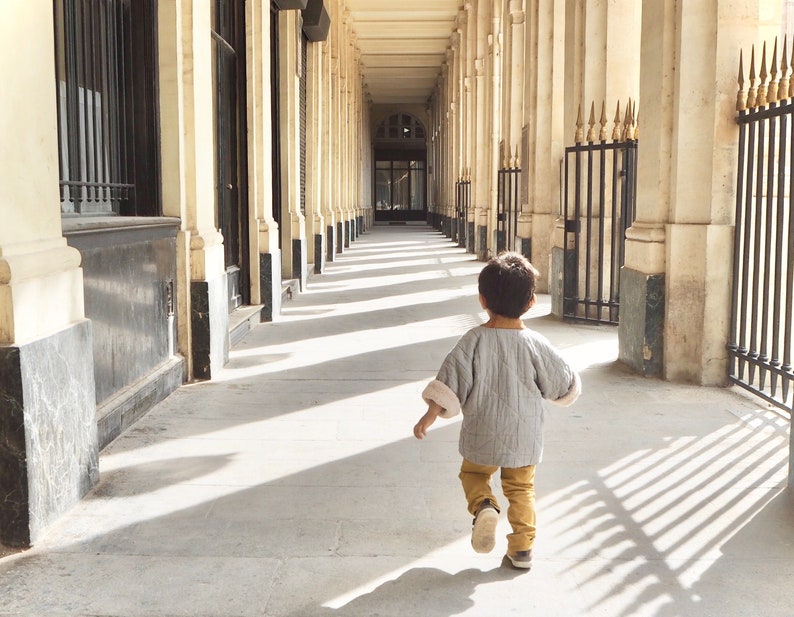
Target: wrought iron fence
[(762, 320), (462, 201), (599, 200), (508, 205)]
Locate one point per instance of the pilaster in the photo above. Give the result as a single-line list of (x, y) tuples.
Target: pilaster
[(265, 254), (293, 232), (48, 434), (188, 183), (543, 136)]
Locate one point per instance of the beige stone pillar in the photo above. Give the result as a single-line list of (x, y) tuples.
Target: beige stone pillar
[(329, 214), (315, 99), (293, 231), (265, 261), (544, 135), (495, 109), (675, 288), (516, 74), (481, 176), (602, 53), (468, 17), (334, 240), (49, 434), (187, 120)]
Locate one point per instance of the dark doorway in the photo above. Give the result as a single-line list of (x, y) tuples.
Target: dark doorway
[(228, 40), (400, 170)]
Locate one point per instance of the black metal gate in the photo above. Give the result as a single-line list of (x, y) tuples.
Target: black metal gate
[(228, 36), (508, 205), (600, 193), (462, 200), (762, 315)]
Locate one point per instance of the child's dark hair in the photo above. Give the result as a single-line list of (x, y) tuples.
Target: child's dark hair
[(507, 283)]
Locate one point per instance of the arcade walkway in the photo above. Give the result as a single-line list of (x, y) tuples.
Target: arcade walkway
[(292, 485)]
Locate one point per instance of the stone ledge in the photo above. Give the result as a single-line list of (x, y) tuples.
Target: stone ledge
[(121, 411)]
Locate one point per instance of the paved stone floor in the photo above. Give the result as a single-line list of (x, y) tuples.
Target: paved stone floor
[(291, 484)]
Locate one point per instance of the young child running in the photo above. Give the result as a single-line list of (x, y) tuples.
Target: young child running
[(497, 375)]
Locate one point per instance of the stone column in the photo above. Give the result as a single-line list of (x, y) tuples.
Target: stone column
[(515, 115), (675, 287), (642, 282), (495, 109), (264, 249), (187, 120), (469, 85), (315, 99), (293, 232), (326, 194), (544, 141), (481, 177), (48, 432)]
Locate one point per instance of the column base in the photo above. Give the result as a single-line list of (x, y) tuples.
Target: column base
[(524, 246), (482, 243), (330, 243), (319, 253), (340, 236), (641, 325), (270, 284), (49, 458), (299, 262), (209, 316), (557, 281)]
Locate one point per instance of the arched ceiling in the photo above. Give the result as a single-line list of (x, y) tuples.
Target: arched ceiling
[(402, 45)]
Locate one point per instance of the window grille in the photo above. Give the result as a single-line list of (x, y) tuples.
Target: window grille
[(400, 126), (105, 81)]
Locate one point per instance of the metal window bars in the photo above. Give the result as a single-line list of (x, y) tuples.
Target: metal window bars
[(91, 53)]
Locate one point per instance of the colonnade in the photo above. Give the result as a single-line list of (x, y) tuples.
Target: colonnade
[(515, 76)]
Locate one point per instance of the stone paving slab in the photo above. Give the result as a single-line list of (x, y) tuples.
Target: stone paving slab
[(291, 485)]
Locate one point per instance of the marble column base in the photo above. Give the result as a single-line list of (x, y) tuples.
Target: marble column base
[(299, 262), (209, 314), (49, 458), (641, 325), (470, 237), (330, 243), (340, 236), (524, 246), (482, 243), (270, 284), (319, 253)]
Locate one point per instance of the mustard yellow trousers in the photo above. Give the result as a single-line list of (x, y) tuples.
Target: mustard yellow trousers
[(518, 485)]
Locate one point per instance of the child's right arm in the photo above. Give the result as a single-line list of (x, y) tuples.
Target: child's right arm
[(426, 421)]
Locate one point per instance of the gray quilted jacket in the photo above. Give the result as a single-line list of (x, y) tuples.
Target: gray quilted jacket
[(498, 378)]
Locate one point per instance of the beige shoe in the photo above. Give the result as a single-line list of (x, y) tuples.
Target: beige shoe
[(521, 559), (483, 532)]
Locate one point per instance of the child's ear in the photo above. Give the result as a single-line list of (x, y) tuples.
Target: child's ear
[(531, 303), (483, 303)]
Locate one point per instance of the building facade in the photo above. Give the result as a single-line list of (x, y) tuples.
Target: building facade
[(171, 167)]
